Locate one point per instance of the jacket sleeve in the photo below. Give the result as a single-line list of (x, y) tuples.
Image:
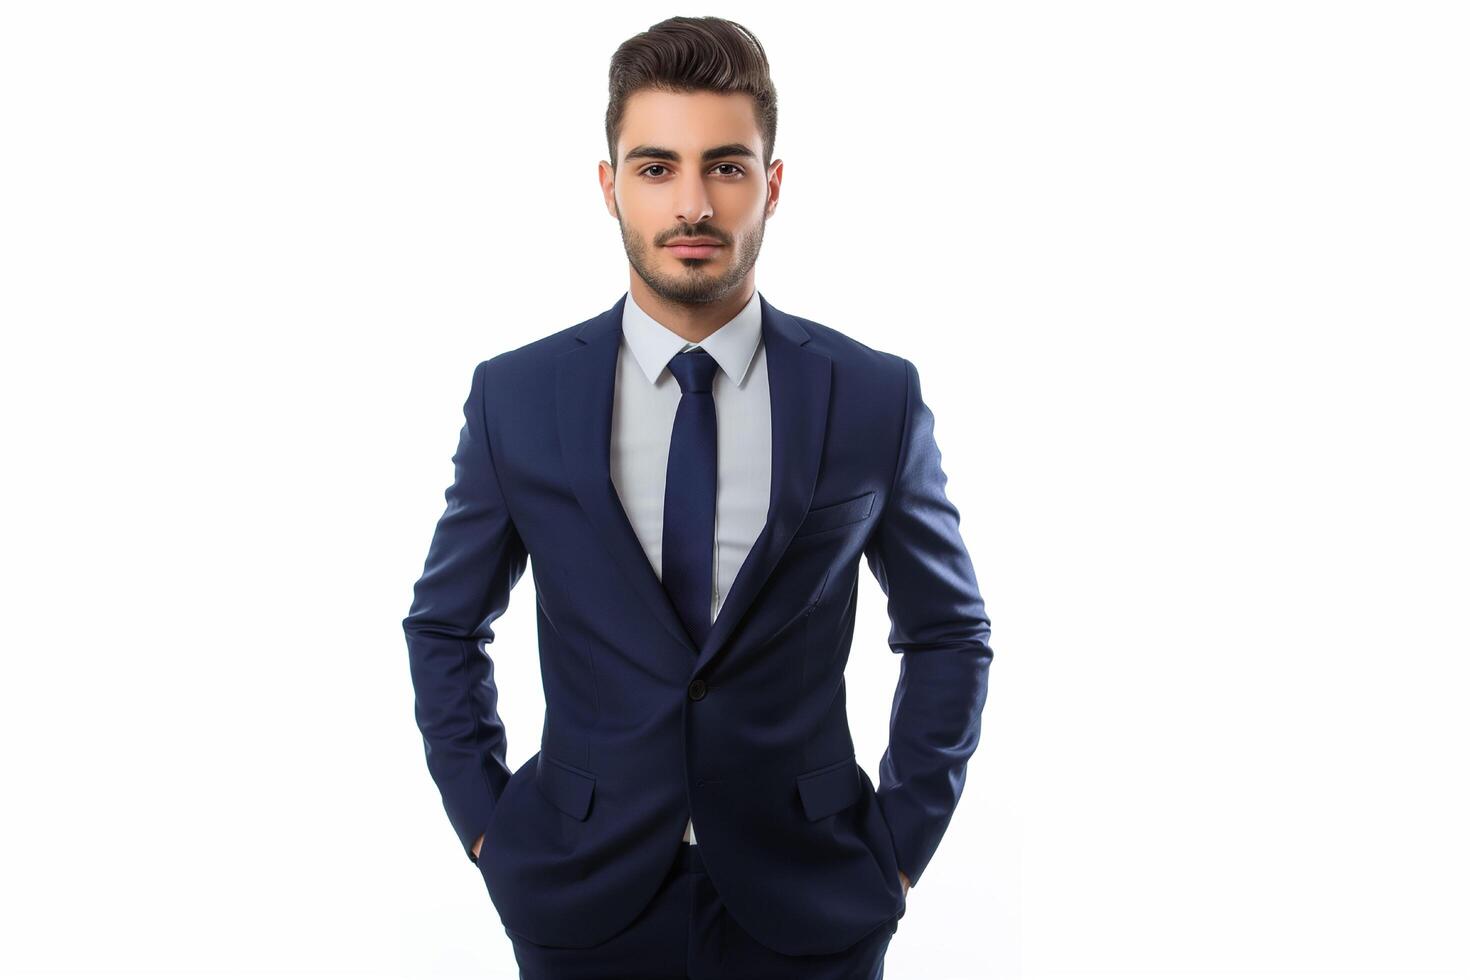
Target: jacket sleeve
[(475, 559), (940, 626)]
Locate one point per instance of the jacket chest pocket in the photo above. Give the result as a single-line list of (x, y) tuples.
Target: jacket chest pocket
[(840, 514)]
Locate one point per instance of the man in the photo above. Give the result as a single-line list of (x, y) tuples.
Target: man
[(698, 476)]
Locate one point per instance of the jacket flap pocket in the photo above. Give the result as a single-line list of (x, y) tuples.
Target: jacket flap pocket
[(829, 789), (836, 515), (565, 787)]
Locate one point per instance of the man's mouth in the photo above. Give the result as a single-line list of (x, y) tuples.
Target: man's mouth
[(693, 251)]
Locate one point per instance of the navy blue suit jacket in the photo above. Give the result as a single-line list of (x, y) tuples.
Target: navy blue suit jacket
[(747, 733)]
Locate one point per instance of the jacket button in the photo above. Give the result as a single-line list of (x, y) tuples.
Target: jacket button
[(696, 689)]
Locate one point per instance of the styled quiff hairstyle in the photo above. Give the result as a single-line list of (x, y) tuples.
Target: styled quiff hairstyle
[(691, 54)]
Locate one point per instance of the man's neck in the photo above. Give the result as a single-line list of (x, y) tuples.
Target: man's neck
[(692, 322)]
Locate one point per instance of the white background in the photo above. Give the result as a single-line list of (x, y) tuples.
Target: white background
[(1186, 287)]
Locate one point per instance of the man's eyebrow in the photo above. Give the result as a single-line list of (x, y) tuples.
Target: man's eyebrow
[(713, 153)]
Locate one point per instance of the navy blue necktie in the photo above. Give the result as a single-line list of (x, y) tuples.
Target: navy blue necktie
[(689, 494)]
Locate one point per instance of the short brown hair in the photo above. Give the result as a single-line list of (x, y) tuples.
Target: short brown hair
[(691, 54)]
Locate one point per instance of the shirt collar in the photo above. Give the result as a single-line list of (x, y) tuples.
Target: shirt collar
[(732, 346)]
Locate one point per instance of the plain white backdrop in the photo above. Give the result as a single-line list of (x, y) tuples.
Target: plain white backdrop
[(1186, 285)]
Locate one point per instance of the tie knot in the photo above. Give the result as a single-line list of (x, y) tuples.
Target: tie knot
[(695, 369)]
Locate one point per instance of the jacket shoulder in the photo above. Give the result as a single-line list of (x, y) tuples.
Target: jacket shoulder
[(854, 358), (525, 358)]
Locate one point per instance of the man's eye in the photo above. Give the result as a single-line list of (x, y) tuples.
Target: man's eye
[(737, 169), (648, 171)]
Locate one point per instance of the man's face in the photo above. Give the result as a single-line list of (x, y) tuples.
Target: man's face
[(689, 166)]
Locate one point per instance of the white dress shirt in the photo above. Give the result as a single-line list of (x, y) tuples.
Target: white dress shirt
[(645, 401)]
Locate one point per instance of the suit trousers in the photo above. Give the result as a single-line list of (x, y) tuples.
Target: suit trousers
[(685, 933)]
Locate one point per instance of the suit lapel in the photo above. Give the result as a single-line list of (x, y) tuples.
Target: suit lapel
[(585, 380), (800, 385)]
